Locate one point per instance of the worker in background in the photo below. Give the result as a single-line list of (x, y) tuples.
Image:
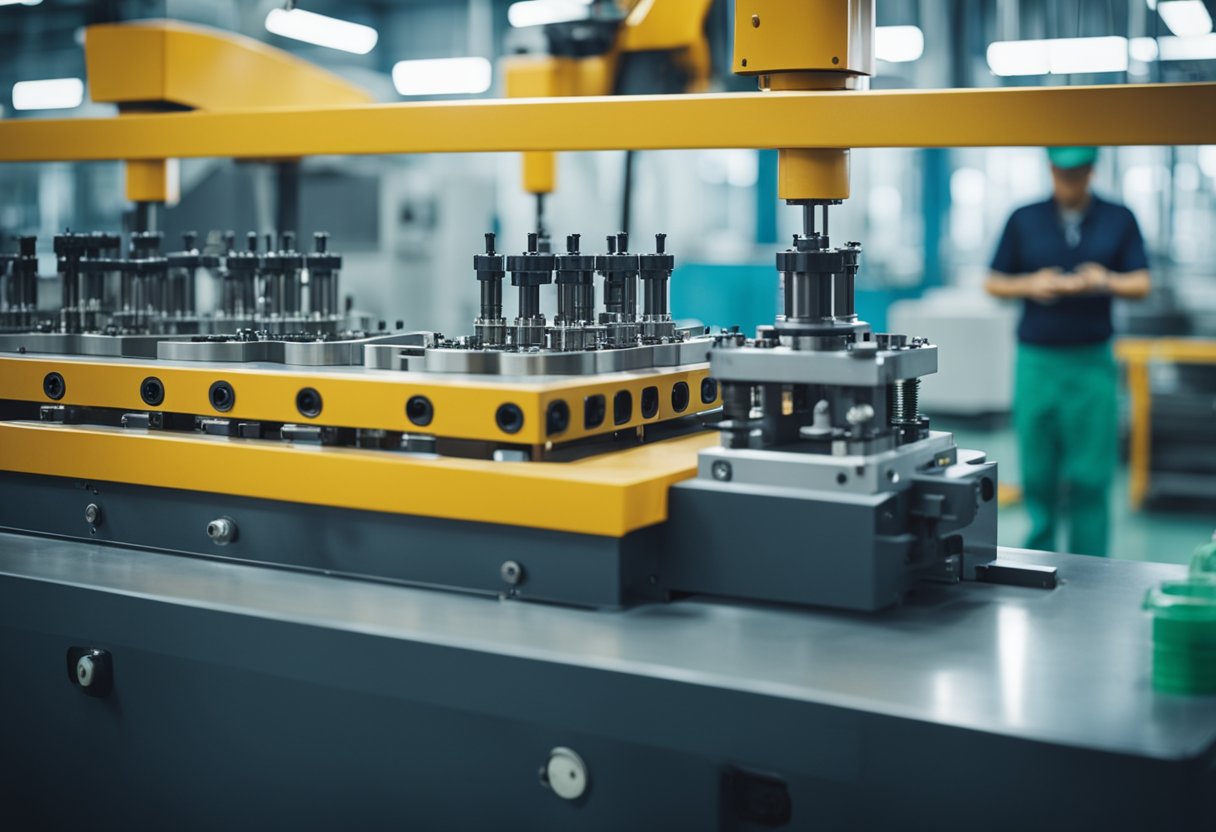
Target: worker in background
[(1066, 259)]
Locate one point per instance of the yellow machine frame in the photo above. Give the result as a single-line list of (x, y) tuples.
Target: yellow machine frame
[(147, 65), (611, 494), (1023, 116)]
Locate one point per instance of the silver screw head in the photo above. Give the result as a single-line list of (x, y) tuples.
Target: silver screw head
[(721, 470), (221, 530), (512, 572), (566, 774), (92, 514), (84, 671)]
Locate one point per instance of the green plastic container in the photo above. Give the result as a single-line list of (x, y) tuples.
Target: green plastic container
[(1184, 630)]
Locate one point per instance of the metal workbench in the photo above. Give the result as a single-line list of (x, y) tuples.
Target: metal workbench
[(248, 697)]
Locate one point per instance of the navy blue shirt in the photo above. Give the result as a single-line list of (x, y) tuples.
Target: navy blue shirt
[(1034, 239)]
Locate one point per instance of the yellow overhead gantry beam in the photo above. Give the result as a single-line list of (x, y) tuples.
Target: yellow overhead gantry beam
[(1156, 114)]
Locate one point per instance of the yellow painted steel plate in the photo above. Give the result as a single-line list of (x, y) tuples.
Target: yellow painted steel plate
[(611, 494), (370, 399)]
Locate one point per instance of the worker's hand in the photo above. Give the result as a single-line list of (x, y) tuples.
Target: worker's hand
[(1070, 283), (1093, 277), (1045, 285)]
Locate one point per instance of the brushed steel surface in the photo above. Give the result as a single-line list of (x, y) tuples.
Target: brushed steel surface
[(887, 470), (783, 365), (1068, 666)]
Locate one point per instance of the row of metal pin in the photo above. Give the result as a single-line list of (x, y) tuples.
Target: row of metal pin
[(576, 325), (19, 286), (157, 292), (270, 286)]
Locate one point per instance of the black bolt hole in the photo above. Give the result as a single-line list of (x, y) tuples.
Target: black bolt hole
[(510, 418), (709, 391), (557, 418), (595, 408), (152, 391), (54, 386), (987, 489), (222, 396), (622, 407), (842, 478), (650, 402), (419, 410), (679, 397), (308, 402)]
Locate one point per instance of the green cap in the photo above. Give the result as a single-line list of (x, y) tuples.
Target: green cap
[(1067, 158)]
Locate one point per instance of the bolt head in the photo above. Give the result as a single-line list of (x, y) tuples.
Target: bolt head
[(721, 470), (84, 671), (221, 531), (92, 514), (566, 774), (512, 572)]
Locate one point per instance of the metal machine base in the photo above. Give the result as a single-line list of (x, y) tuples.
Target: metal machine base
[(820, 549), (248, 698)]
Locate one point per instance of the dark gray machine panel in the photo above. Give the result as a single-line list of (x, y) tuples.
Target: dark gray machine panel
[(579, 569), (249, 698)]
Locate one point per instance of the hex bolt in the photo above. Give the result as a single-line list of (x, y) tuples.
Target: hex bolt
[(859, 414), (92, 514), (222, 531), (512, 572), (84, 671), (566, 774), (721, 470)]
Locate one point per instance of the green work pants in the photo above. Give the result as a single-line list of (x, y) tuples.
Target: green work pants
[(1065, 415)]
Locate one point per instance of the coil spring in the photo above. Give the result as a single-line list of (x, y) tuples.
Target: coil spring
[(903, 401)]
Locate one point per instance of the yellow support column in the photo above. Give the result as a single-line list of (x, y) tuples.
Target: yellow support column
[(536, 77)]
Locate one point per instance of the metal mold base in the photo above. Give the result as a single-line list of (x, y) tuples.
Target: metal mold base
[(528, 364)]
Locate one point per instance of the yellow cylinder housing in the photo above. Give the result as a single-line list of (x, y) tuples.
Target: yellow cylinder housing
[(774, 36), (813, 173)]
